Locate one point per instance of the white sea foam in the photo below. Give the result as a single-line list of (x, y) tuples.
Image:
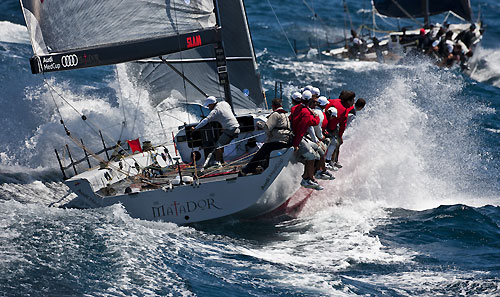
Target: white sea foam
[(493, 130), (485, 65), (432, 283), (328, 243), (133, 117), (35, 159), (13, 33), (402, 149)]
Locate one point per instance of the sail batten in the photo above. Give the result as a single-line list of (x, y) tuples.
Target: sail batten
[(415, 9)]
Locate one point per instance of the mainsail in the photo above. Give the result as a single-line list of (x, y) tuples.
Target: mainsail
[(68, 34), (199, 66), (416, 8)]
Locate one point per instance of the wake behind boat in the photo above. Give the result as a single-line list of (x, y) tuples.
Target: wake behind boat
[(204, 47)]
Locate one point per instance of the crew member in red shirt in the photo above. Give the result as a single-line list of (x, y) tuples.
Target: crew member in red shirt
[(302, 117), (337, 112)]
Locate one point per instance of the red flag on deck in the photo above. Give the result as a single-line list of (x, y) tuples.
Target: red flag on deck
[(135, 145)]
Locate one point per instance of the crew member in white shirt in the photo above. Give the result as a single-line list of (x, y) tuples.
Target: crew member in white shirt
[(222, 113)]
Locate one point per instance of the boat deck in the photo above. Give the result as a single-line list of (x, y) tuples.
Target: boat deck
[(149, 179)]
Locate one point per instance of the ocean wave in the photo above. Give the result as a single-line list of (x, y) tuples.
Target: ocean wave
[(13, 33)]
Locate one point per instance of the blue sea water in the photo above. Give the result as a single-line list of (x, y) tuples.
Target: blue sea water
[(414, 212)]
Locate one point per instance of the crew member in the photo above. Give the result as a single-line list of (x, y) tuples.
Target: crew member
[(222, 113), (337, 112), (278, 133), (303, 117)]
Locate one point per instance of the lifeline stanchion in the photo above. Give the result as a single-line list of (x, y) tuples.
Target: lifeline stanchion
[(60, 165), (71, 159)]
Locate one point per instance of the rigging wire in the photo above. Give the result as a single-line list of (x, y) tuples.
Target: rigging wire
[(406, 12), (136, 109), (374, 19), (316, 33), (311, 9), (386, 20), (345, 23), (348, 14), (57, 107), (282, 30), (94, 127), (182, 64), (183, 81), (124, 123), (139, 97)]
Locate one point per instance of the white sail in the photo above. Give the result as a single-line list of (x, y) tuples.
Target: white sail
[(65, 25)]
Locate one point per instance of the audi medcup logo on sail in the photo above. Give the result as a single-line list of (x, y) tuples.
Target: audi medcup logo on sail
[(69, 61), (49, 64), (66, 61)]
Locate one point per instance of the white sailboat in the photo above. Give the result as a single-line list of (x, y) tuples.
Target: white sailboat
[(390, 47), (195, 48)]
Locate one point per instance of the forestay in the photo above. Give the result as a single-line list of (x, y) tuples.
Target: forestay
[(415, 8), (68, 34), (199, 66)]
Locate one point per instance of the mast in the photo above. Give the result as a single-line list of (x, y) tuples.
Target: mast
[(425, 10), (220, 58)]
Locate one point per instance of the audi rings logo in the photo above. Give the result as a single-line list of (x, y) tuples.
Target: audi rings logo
[(69, 60)]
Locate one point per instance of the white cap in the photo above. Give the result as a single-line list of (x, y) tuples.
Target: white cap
[(322, 101), (210, 100), (306, 95), (308, 88), (315, 91), (332, 111), (296, 96)]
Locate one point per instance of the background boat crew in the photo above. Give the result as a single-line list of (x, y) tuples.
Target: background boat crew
[(425, 41), (358, 45), (222, 113), (279, 136), (337, 112), (378, 50), (445, 46), (467, 36), (303, 117)]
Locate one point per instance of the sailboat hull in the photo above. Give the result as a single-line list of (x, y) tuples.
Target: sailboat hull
[(236, 197)]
